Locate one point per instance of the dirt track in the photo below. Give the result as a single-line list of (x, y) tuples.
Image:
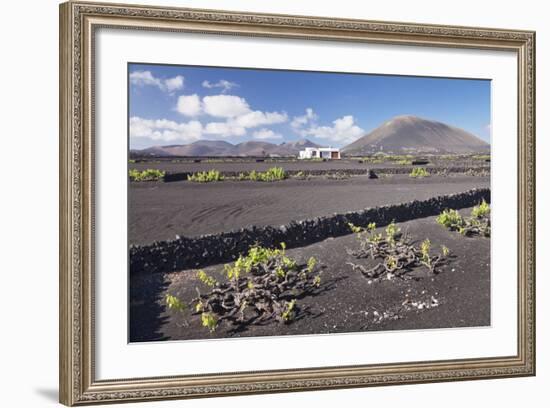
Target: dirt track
[(347, 302), (160, 211)]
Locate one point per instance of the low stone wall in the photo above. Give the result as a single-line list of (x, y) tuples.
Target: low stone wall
[(348, 172), (185, 253)]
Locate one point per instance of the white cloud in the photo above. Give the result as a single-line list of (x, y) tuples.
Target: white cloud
[(234, 113), (222, 83), (146, 78), (264, 134), (259, 118), (174, 84), (225, 106), (142, 78), (234, 109), (237, 126), (343, 130), (224, 129), (165, 130), (300, 121), (189, 105)]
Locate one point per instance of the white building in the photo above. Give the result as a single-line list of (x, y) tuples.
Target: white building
[(320, 153)]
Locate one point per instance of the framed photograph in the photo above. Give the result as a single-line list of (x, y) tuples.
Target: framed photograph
[(256, 203)]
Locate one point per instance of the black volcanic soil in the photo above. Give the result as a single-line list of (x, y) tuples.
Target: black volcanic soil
[(160, 211), (459, 296)]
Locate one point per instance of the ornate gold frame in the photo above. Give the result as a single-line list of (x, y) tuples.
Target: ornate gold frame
[(77, 24)]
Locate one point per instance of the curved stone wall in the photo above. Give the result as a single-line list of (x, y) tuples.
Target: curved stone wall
[(196, 252)]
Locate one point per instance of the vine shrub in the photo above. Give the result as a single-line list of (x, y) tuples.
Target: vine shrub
[(146, 175), (481, 210), (394, 252), (450, 219), (205, 176), (479, 222), (263, 285), (271, 174), (419, 172)]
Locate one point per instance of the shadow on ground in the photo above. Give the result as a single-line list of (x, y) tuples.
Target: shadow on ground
[(146, 308)]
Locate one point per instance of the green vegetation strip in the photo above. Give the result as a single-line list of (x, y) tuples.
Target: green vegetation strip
[(419, 172), (270, 175), (146, 175), (206, 176)]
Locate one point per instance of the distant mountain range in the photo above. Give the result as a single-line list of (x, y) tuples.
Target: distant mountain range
[(411, 134), (223, 148), (402, 134)]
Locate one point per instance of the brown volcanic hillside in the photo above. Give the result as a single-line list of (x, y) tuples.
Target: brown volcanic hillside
[(199, 148), (411, 134), (223, 148)]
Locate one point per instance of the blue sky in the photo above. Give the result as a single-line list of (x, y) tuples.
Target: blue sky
[(183, 104)]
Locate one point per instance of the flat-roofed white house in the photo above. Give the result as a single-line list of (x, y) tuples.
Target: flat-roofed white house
[(320, 153)]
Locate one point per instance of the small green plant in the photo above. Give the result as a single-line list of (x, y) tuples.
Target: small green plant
[(366, 236), (280, 272), (419, 172), (206, 279), (425, 250), (317, 280), (445, 251), (450, 219), (272, 174), (479, 223), (146, 175), (205, 176), (481, 210), (209, 321), (354, 228), (391, 231), (391, 263), (174, 303), (253, 175), (398, 256), (288, 314), (403, 162), (311, 263)]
